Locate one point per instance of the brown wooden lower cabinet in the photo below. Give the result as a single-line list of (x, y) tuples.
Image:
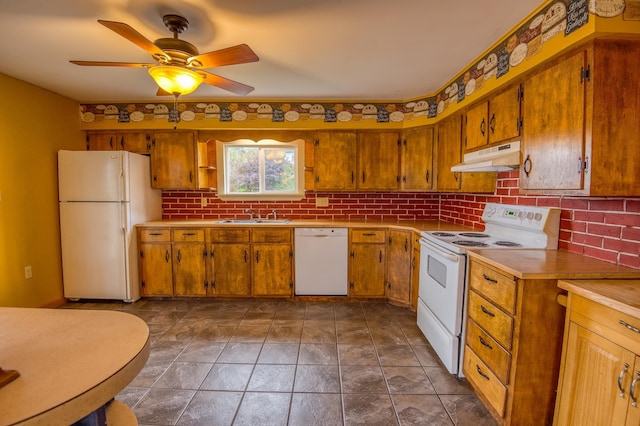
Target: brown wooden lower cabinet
[(512, 344), (230, 262), (600, 373), (258, 261), (367, 262), (155, 262), (272, 262)]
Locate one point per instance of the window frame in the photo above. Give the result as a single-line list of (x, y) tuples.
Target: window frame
[(296, 195)]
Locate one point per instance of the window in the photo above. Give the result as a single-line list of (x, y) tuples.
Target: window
[(263, 170)]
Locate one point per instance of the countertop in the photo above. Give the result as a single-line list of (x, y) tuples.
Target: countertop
[(412, 225), (71, 362), (621, 295), (552, 264)]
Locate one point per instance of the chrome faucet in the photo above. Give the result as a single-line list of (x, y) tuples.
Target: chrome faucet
[(252, 214), (273, 212)]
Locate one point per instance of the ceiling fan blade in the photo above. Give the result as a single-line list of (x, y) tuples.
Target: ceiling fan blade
[(135, 37), (240, 54), (226, 84), (111, 64)]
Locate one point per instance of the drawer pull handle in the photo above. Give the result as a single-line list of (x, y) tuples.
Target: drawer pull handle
[(491, 314), (189, 234), (369, 234), (620, 378), (155, 234), (484, 343), (488, 278), (632, 391), (629, 326), (480, 372)]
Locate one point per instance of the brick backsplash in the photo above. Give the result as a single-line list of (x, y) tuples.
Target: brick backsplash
[(603, 228), (342, 206)]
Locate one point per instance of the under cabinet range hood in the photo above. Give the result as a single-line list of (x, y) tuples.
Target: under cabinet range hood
[(494, 159)]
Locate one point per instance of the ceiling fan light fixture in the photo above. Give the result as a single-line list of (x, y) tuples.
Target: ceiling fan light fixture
[(176, 80)]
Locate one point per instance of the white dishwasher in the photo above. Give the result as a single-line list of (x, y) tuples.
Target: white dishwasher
[(321, 256)]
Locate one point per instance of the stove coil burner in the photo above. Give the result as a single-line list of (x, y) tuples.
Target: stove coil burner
[(468, 243), (443, 234), (473, 235), (507, 244)]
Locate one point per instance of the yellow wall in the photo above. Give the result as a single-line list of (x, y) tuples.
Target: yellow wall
[(34, 125)]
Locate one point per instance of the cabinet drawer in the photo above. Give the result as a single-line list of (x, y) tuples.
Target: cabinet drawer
[(155, 235), (494, 355), (485, 381), (493, 285), (272, 235), (491, 319), (229, 235), (615, 325), (196, 235), (368, 236)]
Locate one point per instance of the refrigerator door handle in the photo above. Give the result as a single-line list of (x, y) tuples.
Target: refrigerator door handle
[(121, 188)]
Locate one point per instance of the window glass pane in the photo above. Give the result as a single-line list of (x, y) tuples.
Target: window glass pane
[(279, 169), (243, 169)]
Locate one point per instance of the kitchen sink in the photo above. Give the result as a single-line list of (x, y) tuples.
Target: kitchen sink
[(255, 221)]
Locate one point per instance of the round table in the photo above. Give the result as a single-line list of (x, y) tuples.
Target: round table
[(71, 362)]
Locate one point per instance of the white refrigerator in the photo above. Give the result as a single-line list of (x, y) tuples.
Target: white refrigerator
[(103, 195)]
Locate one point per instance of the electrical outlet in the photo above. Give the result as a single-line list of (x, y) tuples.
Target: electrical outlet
[(322, 202), (28, 273), (203, 202)]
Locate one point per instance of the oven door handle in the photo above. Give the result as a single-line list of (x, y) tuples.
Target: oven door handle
[(440, 252)]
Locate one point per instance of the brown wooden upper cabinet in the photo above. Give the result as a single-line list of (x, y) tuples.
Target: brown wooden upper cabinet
[(417, 159), (137, 142), (173, 161), (378, 160), (581, 133), (335, 160), (494, 120), (450, 154)]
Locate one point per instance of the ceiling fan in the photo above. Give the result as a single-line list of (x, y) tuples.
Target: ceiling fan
[(180, 61)]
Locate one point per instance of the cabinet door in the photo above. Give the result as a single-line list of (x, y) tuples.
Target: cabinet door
[(415, 271), (449, 153), (378, 160), (231, 269), (504, 115), (173, 160), (156, 273), (399, 255), (101, 141), (477, 126), (417, 159), (553, 127), (335, 161), (189, 269), (272, 270), (137, 142), (589, 392), (366, 270)]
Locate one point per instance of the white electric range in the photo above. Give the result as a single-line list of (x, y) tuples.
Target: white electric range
[(443, 269)]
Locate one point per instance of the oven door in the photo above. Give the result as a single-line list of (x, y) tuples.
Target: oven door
[(442, 281)]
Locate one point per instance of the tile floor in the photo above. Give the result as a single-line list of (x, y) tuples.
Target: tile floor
[(281, 362)]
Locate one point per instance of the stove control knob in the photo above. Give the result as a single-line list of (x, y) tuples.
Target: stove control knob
[(521, 215), (530, 215), (538, 217)]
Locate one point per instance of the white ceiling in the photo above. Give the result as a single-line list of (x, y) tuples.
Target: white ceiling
[(308, 49)]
